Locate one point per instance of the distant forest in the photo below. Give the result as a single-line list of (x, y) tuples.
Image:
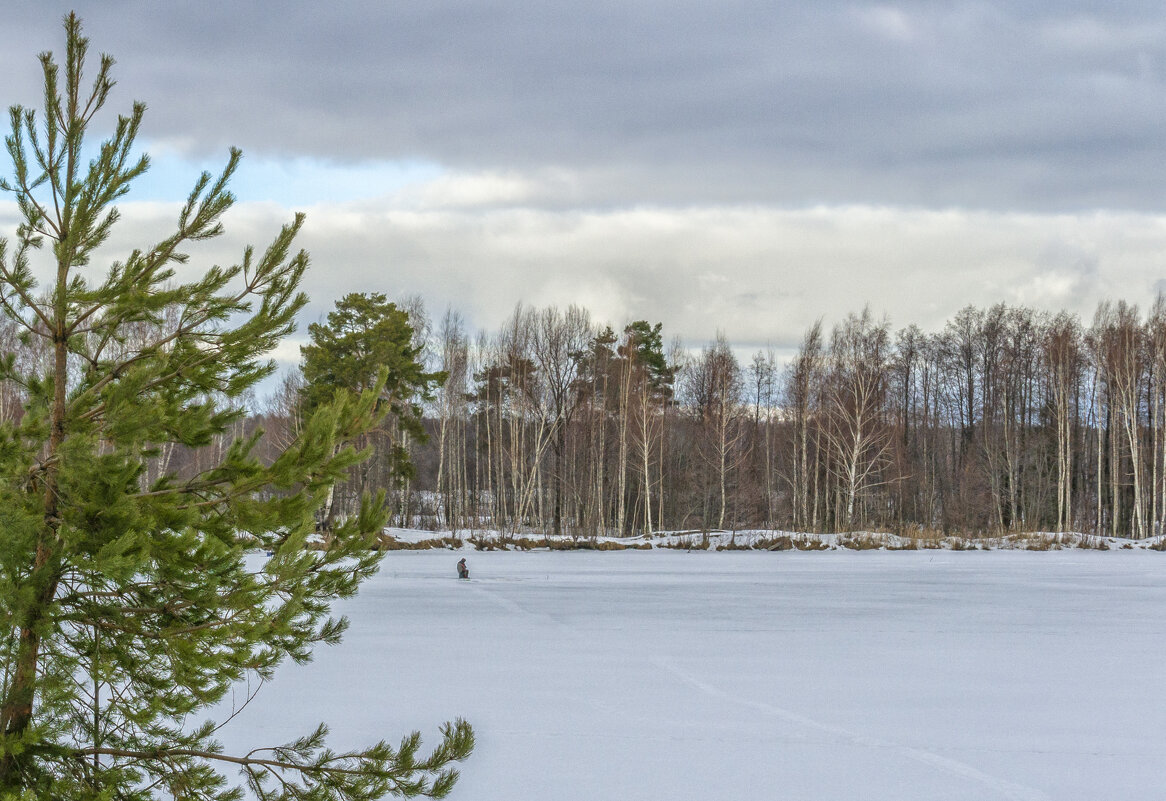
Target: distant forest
[(1006, 420)]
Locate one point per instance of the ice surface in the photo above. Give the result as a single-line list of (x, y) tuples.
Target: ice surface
[(738, 676)]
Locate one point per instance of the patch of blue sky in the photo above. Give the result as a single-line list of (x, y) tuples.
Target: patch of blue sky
[(294, 182)]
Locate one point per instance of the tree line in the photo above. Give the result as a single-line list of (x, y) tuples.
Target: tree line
[(1007, 419)]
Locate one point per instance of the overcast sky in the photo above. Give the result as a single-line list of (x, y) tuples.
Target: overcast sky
[(735, 165)]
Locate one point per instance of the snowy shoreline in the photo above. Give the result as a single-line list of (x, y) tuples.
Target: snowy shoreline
[(398, 539)]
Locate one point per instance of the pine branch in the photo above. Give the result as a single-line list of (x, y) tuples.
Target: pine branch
[(351, 776)]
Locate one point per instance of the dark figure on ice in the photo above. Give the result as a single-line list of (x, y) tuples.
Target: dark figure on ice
[(462, 570)]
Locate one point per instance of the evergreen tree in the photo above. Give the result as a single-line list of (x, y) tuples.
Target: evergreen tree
[(131, 606), (644, 347), (367, 345)]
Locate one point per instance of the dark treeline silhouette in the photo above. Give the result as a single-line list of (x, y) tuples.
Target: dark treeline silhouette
[(1005, 420)]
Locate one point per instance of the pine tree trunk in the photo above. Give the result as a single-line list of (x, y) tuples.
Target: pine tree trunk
[(17, 709)]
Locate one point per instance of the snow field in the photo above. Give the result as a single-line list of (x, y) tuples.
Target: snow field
[(743, 675)]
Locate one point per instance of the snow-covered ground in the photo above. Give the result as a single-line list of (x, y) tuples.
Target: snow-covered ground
[(848, 676)]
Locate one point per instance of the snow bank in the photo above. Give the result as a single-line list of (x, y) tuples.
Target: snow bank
[(759, 539)]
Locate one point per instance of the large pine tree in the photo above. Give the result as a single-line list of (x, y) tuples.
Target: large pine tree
[(132, 605)]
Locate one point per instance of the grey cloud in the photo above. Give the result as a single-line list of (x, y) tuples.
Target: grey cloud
[(993, 105)]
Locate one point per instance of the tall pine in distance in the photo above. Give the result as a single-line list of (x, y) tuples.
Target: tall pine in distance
[(134, 600), (367, 345)]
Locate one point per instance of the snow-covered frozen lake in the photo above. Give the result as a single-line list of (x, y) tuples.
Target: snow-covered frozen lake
[(835, 676)]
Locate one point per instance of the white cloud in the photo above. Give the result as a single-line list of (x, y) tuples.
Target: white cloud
[(761, 274), (888, 22), (461, 190)]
